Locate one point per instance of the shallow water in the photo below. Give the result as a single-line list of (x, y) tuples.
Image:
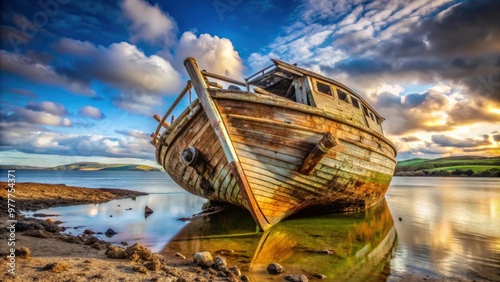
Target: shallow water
[(436, 227)]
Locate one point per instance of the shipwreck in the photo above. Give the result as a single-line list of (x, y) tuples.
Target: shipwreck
[(283, 141)]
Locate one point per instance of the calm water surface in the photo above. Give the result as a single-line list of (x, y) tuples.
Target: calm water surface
[(440, 227)]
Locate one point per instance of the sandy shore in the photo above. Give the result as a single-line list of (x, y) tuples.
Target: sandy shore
[(42, 253)]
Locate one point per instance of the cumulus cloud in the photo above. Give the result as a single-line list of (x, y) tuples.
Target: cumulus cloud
[(149, 23), (91, 112), (122, 65), (448, 144), (44, 113), (28, 138), (41, 73), (134, 133), (142, 80), (212, 53)]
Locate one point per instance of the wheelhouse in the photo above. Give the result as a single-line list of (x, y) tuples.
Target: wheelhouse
[(305, 87)]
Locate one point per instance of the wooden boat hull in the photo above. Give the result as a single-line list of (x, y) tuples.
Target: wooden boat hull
[(271, 137)]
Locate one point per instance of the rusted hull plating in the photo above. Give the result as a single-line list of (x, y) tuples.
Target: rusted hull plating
[(272, 137)]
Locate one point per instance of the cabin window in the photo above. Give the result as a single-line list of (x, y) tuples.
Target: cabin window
[(323, 88), (355, 102), (371, 116), (342, 95), (365, 110), (379, 121)]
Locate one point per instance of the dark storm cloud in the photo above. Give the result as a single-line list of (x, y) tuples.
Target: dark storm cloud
[(448, 141), (460, 44), (33, 70), (468, 112), (410, 139), (496, 137), (22, 92), (468, 28), (413, 100), (362, 66)]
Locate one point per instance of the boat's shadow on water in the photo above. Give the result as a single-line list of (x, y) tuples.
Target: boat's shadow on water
[(354, 247)]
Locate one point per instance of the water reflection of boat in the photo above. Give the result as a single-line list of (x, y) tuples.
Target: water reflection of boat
[(360, 245)]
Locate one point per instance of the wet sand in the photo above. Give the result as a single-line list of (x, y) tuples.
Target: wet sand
[(43, 253)]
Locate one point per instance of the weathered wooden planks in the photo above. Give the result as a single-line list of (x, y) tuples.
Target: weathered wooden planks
[(275, 156)]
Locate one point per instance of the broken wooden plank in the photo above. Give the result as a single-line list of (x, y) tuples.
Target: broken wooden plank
[(158, 119), (318, 153)]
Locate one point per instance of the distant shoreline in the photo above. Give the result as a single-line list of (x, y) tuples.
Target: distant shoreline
[(85, 166), (36, 196), (444, 176)]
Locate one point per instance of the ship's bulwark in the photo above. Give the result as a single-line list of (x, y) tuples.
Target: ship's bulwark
[(272, 137)]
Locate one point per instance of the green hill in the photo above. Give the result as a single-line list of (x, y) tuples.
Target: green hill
[(450, 166), (87, 166)]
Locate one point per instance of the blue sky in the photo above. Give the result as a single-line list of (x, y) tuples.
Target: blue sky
[(80, 80)]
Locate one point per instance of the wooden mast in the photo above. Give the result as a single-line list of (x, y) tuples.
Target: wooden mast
[(217, 124)]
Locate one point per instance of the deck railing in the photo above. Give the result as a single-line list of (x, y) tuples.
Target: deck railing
[(162, 122)]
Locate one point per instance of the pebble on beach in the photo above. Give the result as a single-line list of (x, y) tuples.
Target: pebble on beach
[(296, 278), (204, 259), (220, 263), (56, 267), (275, 268), (320, 276), (110, 232), (23, 253)]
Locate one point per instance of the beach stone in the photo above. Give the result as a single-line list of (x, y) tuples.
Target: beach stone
[(23, 226), (154, 265), (275, 268), (140, 269), (180, 255), (148, 209), (37, 233), (204, 259), (220, 263), (110, 232), (50, 227), (116, 252), (176, 272), (73, 239), (320, 276), (99, 246), (236, 270), (91, 240), (296, 278), (327, 252), (244, 278), (56, 267), (23, 253), (138, 251), (88, 232), (58, 222)]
